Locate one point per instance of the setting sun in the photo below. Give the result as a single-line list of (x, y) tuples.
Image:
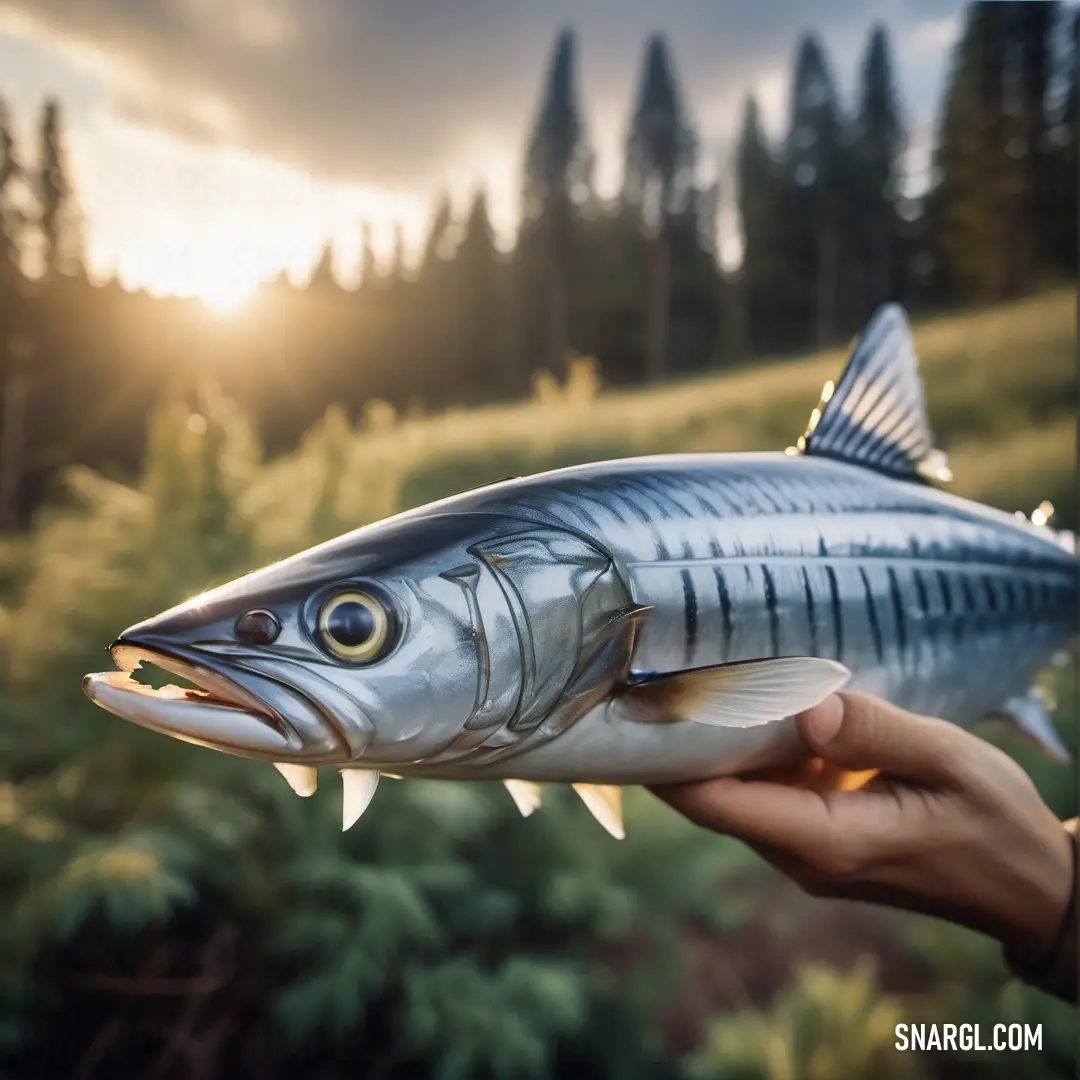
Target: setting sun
[(225, 297)]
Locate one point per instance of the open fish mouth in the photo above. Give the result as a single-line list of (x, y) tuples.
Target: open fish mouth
[(219, 713)]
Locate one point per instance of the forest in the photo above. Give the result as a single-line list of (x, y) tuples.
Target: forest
[(170, 913), (633, 282)]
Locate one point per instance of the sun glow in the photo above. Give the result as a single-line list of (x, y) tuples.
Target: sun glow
[(224, 297)]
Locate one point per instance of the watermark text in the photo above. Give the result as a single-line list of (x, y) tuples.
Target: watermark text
[(964, 1037)]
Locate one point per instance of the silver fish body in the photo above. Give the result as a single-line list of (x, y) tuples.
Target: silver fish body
[(638, 621), (936, 603)]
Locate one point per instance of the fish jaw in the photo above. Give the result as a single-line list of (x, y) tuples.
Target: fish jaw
[(233, 710)]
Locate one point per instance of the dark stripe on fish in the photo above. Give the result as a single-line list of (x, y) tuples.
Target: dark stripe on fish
[(871, 614), (947, 603), (725, 606), (898, 611), (920, 592), (969, 598), (811, 615), (838, 626), (946, 591), (690, 608), (770, 606)]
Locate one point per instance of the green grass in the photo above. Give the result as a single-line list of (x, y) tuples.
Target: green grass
[(1001, 392)]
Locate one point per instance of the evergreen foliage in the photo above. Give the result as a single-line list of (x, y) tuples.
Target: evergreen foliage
[(1001, 193), (759, 194), (10, 217), (658, 185), (179, 913), (827, 1024), (557, 176), (877, 147), (54, 192), (633, 280), (814, 169)]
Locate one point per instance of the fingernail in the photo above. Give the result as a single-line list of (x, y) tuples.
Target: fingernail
[(822, 722)]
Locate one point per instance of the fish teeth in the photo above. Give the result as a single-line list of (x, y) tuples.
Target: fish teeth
[(358, 787), (605, 804), (526, 795), (303, 779)]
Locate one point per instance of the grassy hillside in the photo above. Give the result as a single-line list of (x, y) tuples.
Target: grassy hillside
[(1001, 389)]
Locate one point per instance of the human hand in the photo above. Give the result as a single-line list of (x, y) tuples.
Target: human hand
[(902, 810)]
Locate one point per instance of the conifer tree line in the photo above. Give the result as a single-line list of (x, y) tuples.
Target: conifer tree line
[(829, 230)]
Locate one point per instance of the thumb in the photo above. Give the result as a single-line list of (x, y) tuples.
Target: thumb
[(858, 732)]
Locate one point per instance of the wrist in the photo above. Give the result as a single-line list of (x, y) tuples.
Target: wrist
[(1054, 968), (1045, 907)]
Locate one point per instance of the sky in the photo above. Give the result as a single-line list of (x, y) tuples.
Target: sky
[(213, 144)]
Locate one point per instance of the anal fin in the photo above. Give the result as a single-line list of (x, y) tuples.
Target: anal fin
[(1030, 714)]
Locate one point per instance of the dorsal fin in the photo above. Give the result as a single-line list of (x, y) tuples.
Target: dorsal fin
[(876, 414)]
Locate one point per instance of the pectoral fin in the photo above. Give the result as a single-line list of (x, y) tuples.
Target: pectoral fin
[(734, 695), (1030, 714), (605, 804), (526, 795)]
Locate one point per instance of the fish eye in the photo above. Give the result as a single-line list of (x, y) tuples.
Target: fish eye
[(258, 627), (354, 626)]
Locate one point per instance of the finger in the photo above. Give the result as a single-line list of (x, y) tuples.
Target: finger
[(759, 812), (858, 733)]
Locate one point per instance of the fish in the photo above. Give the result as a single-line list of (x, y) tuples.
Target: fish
[(646, 620)]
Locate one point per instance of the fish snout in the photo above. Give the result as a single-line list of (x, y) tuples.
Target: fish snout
[(226, 705)]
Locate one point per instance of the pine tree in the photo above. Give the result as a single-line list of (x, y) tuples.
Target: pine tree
[(54, 192), (556, 173), (757, 178), (658, 182), (877, 148), (969, 204), (435, 245), (992, 151), (14, 342), (1027, 76), (813, 170), (10, 215), (430, 324), (368, 271), (322, 276), (398, 269), (479, 335), (1062, 225)]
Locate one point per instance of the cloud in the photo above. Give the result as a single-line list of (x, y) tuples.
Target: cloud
[(209, 136), (403, 92)]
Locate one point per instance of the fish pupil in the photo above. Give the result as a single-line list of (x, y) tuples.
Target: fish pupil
[(258, 627), (350, 623)]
